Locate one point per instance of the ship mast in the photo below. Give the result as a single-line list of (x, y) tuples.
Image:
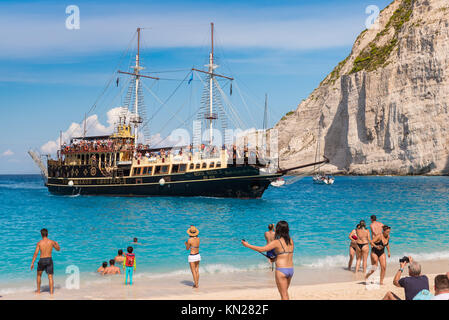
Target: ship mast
[(211, 83), (211, 116), (135, 118), (137, 68)]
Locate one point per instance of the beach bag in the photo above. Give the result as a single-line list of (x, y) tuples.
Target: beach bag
[(423, 295)]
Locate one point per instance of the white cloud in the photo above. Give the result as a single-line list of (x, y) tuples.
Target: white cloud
[(8, 153), (93, 128)]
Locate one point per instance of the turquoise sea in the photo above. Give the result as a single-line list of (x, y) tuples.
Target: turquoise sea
[(90, 229)]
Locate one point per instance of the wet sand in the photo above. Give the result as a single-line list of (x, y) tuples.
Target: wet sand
[(307, 284)]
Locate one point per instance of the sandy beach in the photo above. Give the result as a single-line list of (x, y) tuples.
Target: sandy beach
[(308, 284)]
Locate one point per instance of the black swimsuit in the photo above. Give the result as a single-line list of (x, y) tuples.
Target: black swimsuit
[(361, 245), (379, 252)]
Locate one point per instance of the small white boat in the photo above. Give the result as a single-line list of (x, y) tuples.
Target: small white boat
[(278, 182), (323, 179)]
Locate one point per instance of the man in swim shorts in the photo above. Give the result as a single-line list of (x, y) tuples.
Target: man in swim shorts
[(45, 247)]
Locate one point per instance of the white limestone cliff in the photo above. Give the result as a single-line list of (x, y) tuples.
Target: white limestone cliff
[(384, 109)]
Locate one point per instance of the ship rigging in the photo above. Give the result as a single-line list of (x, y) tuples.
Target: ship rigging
[(126, 163)]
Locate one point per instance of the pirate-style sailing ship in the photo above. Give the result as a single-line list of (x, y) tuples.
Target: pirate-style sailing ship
[(118, 164)]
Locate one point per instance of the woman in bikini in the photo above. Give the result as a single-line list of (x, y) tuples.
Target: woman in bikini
[(378, 245), (193, 244), (283, 246), (362, 250), (352, 248)]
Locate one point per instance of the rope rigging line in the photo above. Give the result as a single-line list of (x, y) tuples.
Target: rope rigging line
[(160, 101), (118, 94), (237, 121), (169, 97), (182, 124), (113, 75), (246, 106)]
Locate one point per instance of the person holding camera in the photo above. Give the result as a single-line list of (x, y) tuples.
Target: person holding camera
[(413, 284)]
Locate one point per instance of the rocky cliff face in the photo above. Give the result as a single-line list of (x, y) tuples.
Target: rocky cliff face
[(384, 109)]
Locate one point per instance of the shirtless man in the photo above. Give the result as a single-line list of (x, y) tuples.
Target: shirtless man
[(376, 229), (112, 269), (102, 268), (120, 257), (45, 246), (376, 226)]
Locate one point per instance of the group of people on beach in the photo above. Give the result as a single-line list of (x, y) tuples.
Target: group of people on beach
[(279, 250), (128, 260), (416, 285), (362, 239)]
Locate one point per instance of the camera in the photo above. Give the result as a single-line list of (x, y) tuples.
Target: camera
[(404, 259)]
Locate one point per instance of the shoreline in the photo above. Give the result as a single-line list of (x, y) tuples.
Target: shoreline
[(339, 174), (307, 284)]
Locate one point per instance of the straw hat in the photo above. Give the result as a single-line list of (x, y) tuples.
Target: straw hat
[(193, 231)]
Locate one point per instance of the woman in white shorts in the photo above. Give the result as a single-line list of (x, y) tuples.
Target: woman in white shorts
[(193, 244)]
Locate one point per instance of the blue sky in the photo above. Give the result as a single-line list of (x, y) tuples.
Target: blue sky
[(51, 76)]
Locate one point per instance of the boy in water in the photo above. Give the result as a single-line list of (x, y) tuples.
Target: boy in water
[(129, 265), (102, 268), (45, 246)]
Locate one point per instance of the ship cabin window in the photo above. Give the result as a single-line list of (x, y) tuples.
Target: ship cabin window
[(145, 170), (164, 169), (197, 166), (136, 171), (191, 166), (103, 158), (218, 164), (157, 170), (204, 166), (212, 164), (179, 168)]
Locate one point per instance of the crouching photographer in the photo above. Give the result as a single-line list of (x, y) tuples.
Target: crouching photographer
[(413, 284)]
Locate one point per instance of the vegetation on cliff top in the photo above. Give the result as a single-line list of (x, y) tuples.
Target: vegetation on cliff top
[(374, 56), (287, 114)]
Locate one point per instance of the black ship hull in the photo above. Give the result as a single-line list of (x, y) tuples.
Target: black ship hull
[(233, 182)]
